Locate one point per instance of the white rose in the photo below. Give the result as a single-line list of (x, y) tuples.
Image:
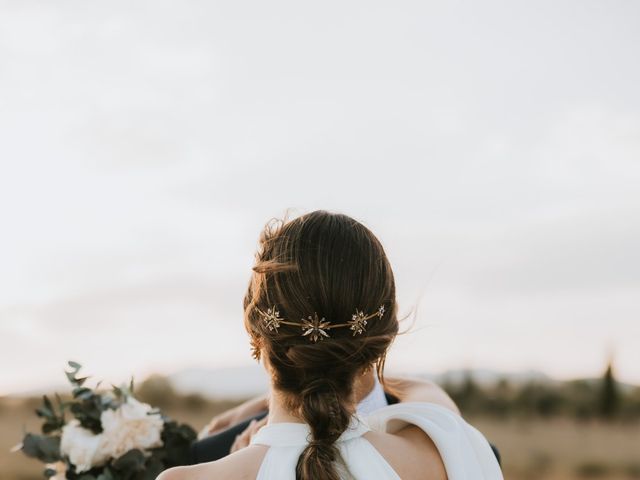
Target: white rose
[(130, 426), (82, 447)]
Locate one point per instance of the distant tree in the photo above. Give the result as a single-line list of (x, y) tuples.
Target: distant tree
[(448, 385), (631, 405), (468, 395), (469, 387), (524, 402), (498, 401), (537, 398), (549, 401), (582, 398), (156, 390), (609, 394)]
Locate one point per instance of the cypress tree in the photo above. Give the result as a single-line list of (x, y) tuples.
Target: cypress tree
[(609, 395)]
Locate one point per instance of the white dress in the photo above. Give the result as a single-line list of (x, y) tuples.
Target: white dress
[(465, 452), (374, 400)]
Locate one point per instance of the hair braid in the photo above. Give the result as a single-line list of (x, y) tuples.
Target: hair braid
[(324, 411)]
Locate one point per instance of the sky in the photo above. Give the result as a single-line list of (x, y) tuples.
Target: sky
[(493, 147)]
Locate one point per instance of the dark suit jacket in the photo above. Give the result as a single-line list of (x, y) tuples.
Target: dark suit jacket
[(218, 445)]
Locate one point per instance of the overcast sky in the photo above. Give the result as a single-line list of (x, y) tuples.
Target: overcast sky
[(493, 147)]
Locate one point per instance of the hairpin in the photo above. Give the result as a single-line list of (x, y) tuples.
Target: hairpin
[(315, 328)]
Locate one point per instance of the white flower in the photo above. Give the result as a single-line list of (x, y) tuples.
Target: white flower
[(130, 426), (82, 447), (125, 428)]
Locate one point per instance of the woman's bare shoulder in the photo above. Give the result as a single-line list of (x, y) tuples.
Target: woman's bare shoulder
[(410, 452), (240, 465)]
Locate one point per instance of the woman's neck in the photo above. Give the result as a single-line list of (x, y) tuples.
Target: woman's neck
[(278, 413)]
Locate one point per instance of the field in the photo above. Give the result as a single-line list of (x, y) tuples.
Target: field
[(556, 449)]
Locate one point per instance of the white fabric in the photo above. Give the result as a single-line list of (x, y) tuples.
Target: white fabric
[(465, 452), (374, 400)]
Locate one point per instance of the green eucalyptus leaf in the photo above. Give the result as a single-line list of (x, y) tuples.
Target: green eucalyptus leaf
[(71, 376), (117, 391), (75, 365), (80, 381), (133, 460), (61, 405), (83, 392), (43, 412), (49, 427), (43, 447), (47, 403), (152, 469), (46, 410), (106, 475)]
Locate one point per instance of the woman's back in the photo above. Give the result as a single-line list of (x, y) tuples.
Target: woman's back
[(413, 440)]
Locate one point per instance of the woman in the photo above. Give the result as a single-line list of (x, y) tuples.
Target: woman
[(321, 312)]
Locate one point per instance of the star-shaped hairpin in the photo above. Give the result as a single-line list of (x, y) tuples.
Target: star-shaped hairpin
[(359, 320), (314, 327), (272, 319)]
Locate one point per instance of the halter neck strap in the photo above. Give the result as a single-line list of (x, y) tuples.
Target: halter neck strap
[(288, 434)]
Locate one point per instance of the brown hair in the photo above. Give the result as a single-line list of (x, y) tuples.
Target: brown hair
[(331, 264)]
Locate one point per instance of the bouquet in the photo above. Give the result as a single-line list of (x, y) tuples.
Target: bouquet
[(111, 435)]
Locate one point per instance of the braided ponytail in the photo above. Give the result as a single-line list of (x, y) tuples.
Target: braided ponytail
[(327, 416)]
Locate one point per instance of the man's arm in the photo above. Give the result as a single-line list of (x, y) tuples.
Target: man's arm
[(235, 415)]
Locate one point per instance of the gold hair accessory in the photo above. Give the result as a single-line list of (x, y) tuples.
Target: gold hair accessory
[(316, 328)]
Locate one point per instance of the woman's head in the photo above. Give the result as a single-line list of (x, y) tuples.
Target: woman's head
[(331, 265)]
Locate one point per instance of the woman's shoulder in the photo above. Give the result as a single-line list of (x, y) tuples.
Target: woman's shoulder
[(462, 449), (240, 465), (410, 442), (396, 432)]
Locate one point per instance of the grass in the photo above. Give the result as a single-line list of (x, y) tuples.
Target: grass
[(563, 449)]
